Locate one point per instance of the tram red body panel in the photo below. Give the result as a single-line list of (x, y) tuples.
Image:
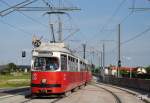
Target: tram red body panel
[(58, 82), (56, 70)]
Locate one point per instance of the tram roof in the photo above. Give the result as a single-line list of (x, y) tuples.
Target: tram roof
[(53, 47), (56, 47)]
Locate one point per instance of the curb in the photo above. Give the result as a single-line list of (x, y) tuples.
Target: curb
[(15, 91)]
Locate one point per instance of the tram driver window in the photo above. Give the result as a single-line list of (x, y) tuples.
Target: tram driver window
[(39, 63), (46, 63)]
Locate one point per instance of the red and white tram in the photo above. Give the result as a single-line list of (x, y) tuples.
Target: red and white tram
[(56, 70)]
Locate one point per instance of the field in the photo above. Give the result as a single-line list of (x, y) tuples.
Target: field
[(15, 80)]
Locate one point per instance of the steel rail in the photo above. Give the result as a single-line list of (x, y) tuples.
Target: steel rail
[(113, 94)]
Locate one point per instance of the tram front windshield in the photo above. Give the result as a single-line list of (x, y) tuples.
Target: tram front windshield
[(45, 63)]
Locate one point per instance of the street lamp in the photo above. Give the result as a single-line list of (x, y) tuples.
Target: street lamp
[(129, 59)]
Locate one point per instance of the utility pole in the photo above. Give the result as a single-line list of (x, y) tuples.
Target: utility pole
[(101, 65), (103, 55), (130, 73), (119, 59), (60, 30), (84, 49), (52, 32), (93, 55), (99, 59), (59, 25), (103, 62), (103, 51), (103, 58)]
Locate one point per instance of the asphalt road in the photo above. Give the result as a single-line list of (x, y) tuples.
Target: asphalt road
[(89, 94)]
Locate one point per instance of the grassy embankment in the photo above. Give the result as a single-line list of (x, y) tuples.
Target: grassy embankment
[(17, 80)]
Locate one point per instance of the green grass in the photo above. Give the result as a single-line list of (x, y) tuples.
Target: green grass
[(17, 80)]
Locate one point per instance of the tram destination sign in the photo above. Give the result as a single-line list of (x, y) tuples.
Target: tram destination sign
[(42, 53)]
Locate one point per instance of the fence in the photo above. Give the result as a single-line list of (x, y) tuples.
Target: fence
[(139, 84)]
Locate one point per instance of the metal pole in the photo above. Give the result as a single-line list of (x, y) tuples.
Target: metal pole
[(130, 73), (60, 24), (93, 56), (60, 29), (84, 47), (52, 32), (119, 59), (101, 60), (101, 65), (103, 55), (93, 59)]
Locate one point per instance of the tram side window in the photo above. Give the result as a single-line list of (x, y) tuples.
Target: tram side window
[(69, 66), (88, 67), (81, 67), (84, 66), (76, 65), (63, 62), (72, 64)]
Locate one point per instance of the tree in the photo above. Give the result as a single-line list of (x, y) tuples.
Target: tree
[(11, 67), (148, 69)]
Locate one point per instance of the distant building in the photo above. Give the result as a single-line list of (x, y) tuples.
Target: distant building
[(107, 71), (113, 69), (141, 70)]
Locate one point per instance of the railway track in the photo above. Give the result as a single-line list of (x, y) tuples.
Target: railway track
[(52, 99), (46, 99), (125, 90), (120, 89), (20, 98), (113, 94), (12, 92), (96, 93)]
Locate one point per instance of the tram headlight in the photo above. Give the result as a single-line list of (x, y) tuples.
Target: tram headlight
[(43, 81)]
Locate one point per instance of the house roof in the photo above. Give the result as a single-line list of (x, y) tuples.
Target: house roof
[(133, 69)]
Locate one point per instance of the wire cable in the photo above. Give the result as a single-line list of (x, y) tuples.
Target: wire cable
[(137, 36), (125, 18), (16, 28), (113, 15), (34, 20)]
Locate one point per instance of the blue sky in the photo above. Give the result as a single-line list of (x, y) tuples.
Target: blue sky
[(94, 24)]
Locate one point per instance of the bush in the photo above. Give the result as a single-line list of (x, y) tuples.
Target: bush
[(148, 69), (11, 67)]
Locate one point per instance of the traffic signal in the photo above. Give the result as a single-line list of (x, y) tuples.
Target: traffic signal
[(23, 54)]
